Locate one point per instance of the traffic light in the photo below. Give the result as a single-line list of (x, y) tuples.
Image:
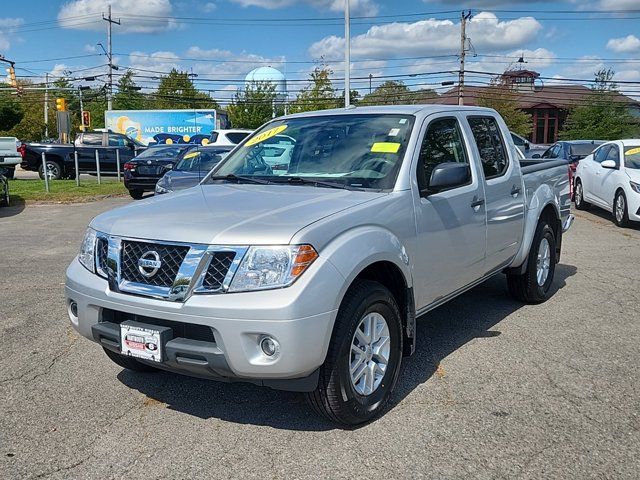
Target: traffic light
[(61, 104), (86, 119), (11, 77)]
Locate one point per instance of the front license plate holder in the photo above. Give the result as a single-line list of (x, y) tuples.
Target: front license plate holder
[(144, 341)]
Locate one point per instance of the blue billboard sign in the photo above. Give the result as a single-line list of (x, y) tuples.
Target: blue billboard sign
[(163, 126)]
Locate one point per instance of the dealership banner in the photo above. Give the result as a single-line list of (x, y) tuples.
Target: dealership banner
[(163, 126)]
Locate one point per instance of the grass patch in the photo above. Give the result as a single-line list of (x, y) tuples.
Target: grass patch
[(63, 190)]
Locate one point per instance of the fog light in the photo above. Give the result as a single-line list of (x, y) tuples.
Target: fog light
[(269, 346), (73, 308)]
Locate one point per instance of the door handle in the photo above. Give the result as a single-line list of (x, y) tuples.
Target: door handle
[(515, 190), (477, 203)]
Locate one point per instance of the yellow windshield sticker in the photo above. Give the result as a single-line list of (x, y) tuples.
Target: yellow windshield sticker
[(267, 134), (633, 151), (191, 155), (385, 147)]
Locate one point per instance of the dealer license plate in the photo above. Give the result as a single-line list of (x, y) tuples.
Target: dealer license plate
[(141, 342)]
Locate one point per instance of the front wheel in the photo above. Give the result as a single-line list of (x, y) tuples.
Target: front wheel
[(578, 196), (620, 212), (364, 357), (534, 284)]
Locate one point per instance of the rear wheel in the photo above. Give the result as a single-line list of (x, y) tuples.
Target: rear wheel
[(136, 193), (128, 362), (364, 357), (579, 196), (54, 171), (620, 213), (534, 284), (4, 200)]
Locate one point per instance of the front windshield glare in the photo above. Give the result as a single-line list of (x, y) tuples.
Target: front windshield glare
[(363, 151), (632, 157)]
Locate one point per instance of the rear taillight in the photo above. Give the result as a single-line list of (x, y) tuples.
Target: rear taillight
[(129, 166), (22, 149)]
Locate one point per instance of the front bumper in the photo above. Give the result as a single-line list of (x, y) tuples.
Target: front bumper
[(299, 317)]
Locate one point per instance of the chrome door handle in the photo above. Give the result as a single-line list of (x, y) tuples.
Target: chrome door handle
[(477, 203), (515, 190)]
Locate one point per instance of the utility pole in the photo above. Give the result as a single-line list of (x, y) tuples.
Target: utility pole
[(463, 50), (110, 21), (347, 55), (370, 78), (46, 105)]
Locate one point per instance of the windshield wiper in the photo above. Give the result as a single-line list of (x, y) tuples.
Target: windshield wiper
[(239, 179), (320, 183)]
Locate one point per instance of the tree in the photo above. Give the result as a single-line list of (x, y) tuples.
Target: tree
[(503, 98), (254, 105), (128, 96), (603, 114), (319, 94), (390, 92), (176, 90)]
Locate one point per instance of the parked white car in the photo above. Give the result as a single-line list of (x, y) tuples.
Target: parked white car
[(228, 137), (609, 178)]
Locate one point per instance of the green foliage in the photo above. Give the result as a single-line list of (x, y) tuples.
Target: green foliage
[(394, 92), (254, 105), (318, 95), (504, 99), (176, 90), (603, 115), (128, 96)]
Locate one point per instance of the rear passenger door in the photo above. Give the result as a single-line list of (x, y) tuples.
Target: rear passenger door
[(89, 143), (504, 199), (450, 224)]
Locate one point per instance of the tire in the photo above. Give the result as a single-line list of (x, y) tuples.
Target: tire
[(530, 287), (54, 169), (620, 210), (136, 194), (578, 193), (5, 200), (11, 173), (337, 397), (128, 362)]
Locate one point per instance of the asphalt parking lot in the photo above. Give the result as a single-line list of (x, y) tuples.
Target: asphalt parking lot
[(495, 390)]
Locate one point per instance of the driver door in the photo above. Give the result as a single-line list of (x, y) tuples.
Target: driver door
[(451, 224), (606, 178)]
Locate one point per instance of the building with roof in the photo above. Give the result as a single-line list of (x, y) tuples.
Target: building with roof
[(548, 105)]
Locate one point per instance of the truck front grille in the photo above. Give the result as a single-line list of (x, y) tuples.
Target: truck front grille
[(171, 257), (218, 269)]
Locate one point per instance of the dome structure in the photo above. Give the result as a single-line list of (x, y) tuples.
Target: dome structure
[(267, 74)]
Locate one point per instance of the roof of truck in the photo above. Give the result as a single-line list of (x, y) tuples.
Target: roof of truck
[(424, 109)]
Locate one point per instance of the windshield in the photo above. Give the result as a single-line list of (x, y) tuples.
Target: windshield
[(359, 151), (201, 160), (583, 149), (632, 157), (164, 152)]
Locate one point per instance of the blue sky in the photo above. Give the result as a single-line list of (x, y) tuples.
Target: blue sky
[(222, 40)]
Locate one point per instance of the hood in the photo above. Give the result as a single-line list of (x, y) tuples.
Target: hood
[(229, 214), (633, 174)]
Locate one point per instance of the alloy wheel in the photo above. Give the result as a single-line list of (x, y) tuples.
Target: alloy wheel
[(620, 208), (370, 353), (543, 261)]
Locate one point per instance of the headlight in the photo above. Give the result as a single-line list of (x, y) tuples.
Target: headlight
[(164, 185), (87, 249), (272, 267), (635, 186)]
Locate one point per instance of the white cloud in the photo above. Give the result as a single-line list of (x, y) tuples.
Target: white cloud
[(209, 7), (86, 15), (7, 26), (431, 36), (628, 44), (90, 48), (368, 7), (618, 4)]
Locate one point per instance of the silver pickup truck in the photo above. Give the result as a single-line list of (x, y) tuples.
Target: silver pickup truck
[(309, 275)]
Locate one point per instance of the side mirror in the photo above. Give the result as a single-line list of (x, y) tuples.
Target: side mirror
[(609, 164), (536, 155), (448, 175)]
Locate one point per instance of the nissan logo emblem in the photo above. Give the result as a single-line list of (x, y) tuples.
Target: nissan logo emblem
[(149, 263)]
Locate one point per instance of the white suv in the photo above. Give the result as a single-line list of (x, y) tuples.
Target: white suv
[(610, 178), (228, 137)]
